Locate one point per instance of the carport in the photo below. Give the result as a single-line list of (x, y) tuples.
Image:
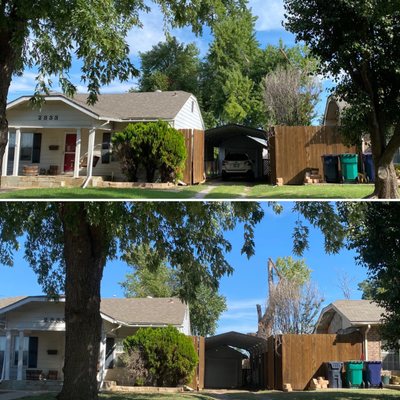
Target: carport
[(236, 139), (234, 360)]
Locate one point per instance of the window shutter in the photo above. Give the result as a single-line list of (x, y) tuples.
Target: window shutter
[(37, 142), (106, 148), (33, 351)]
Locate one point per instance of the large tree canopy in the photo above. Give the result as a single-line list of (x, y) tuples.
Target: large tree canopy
[(170, 65), (152, 276), (373, 231), (49, 36), (358, 43), (68, 245)]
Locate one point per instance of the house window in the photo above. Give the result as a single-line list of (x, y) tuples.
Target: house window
[(119, 346), (25, 351), (106, 148), (30, 351), (30, 147), (390, 359)]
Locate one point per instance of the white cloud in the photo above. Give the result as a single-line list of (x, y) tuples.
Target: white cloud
[(23, 84), (269, 12)]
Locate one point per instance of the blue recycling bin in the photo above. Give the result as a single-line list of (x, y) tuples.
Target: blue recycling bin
[(373, 371), (369, 166)]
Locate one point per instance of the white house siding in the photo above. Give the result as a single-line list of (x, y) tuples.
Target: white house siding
[(187, 119), (37, 316), (186, 323), (23, 115), (50, 341)]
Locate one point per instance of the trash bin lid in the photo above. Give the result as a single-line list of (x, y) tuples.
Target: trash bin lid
[(335, 364)]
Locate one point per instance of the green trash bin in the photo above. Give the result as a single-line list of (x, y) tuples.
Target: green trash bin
[(349, 165), (354, 374)]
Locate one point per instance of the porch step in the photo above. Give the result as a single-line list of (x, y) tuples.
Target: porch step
[(52, 386), (40, 181)]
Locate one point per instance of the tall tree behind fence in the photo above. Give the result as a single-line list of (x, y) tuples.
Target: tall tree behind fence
[(297, 359), (297, 149)]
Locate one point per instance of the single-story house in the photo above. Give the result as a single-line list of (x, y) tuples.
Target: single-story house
[(32, 332), (363, 316), (67, 136)]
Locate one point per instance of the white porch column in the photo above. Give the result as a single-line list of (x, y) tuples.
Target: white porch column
[(91, 142), (102, 358), (5, 157), (17, 151), (77, 153), (7, 356), (20, 355)]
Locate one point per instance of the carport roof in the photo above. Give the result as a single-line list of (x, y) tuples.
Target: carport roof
[(252, 344), (217, 135)]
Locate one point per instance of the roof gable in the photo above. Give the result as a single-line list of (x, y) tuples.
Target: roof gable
[(356, 312), (137, 106)]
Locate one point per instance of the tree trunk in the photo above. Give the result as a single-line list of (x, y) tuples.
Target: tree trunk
[(6, 70), (386, 185), (84, 261)]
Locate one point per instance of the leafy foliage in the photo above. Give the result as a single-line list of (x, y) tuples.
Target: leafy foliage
[(152, 277), (155, 145), (168, 355), (372, 230), (170, 65), (358, 43)]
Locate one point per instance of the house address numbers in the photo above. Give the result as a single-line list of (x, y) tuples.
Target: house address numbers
[(47, 117), (53, 320)]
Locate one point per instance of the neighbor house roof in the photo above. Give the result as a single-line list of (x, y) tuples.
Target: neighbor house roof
[(357, 312), (333, 110), (135, 106), (145, 311), (140, 312)]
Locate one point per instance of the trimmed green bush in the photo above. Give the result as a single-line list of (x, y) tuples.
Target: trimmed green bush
[(154, 145), (168, 355)]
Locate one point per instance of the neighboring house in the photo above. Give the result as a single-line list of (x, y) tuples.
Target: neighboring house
[(332, 117), (68, 136), (32, 332), (364, 316)]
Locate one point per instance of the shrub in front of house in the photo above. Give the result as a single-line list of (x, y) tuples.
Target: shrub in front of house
[(168, 356), (155, 146)]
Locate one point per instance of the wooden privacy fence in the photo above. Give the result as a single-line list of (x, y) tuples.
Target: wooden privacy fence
[(194, 167), (297, 359), (294, 150), (198, 377)]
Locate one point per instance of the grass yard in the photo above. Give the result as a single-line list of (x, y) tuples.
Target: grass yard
[(215, 190), (370, 394)]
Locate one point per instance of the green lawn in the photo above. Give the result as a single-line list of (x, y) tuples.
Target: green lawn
[(370, 394), (215, 190)]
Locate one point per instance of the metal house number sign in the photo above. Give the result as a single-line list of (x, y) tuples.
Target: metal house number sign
[(47, 117)]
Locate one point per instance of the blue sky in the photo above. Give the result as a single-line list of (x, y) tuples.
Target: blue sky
[(268, 30), (246, 287)]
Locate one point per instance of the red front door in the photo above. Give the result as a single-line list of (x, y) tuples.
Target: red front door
[(69, 158)]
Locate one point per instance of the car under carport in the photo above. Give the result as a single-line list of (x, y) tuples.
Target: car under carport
[(235, 138), (224, 366)]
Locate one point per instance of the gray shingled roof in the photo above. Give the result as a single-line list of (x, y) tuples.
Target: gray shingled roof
[(156, 311), (10, 300), (146, 311), (136, 106), (359, 311)]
